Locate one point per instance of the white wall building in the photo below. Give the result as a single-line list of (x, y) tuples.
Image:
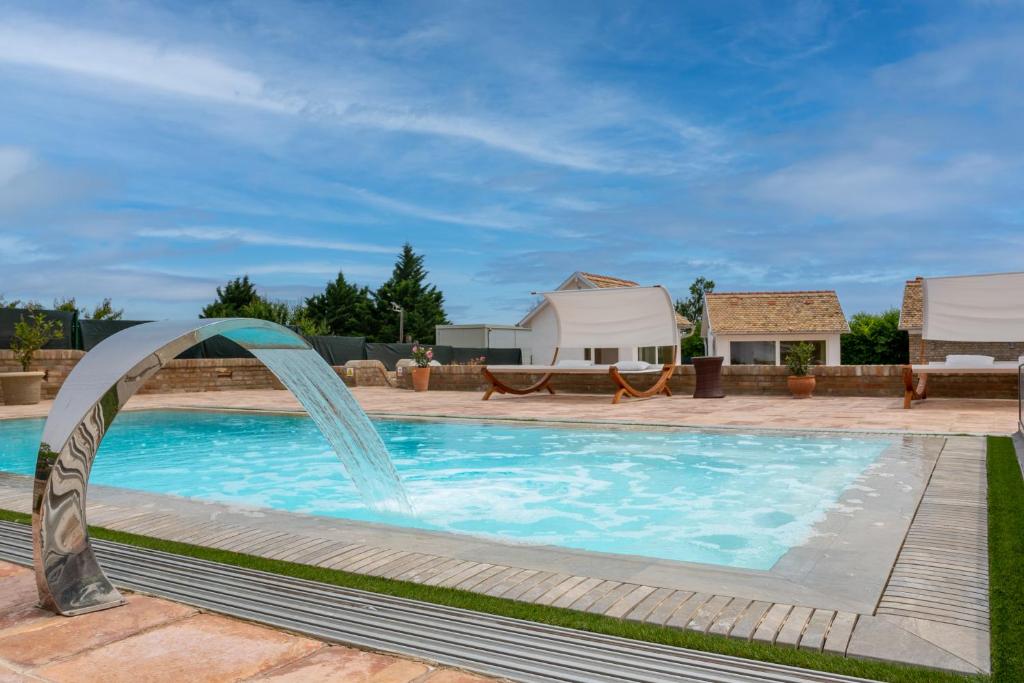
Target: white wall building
[(758, 328), (537, 333), (482, 336)]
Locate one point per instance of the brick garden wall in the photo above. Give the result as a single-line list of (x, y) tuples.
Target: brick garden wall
[(209, 374), (843, 380), (938, 350)]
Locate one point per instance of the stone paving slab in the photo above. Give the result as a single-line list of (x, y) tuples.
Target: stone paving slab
[(152, 640)]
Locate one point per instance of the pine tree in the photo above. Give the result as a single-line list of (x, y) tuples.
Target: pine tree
[(344, 308), (423, 304), (232, 299)]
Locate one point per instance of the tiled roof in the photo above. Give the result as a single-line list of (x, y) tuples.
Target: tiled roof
[(775, 312), (912, 310), (682, 322), (605, 281)]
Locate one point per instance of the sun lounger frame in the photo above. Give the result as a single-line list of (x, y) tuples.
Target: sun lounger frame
[(623, 386), (919, 392)]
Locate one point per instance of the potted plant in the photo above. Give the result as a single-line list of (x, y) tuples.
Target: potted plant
[(24, 388), (798, 360), (422, 356)]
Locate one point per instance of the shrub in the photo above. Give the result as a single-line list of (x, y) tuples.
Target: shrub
[(33, 334), (798, 360)]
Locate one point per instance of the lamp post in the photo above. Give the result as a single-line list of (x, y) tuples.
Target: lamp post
[(401, 321)]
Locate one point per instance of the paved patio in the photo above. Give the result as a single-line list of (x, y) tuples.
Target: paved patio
[(934, 416), (150, 640)]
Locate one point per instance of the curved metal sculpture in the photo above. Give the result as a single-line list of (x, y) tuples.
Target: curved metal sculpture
[(69, 579)]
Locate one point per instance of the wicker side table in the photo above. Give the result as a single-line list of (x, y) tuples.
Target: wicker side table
[(709, 377)]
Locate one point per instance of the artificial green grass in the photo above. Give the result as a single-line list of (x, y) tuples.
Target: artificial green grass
[(539, 613), (1006, 560)]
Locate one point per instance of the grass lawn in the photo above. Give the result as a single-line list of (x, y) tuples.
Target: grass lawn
[(1006, 561)]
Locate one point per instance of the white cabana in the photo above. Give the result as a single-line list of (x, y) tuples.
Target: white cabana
[(968, 308), (611, 317), (979, 308), (619, 316)]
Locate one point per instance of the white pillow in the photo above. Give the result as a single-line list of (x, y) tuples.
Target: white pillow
[(575, 363), (632, 365), (966, 361)]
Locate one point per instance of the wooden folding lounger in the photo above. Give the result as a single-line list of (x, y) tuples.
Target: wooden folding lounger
[(919, 392), (548, 372)]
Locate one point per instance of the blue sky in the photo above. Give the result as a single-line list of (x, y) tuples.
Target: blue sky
[(149, 152)]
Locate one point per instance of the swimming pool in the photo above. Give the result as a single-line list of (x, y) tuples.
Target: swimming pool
[(740, 500)]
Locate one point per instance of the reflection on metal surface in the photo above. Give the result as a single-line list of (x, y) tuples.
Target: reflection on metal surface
[(69, 579)]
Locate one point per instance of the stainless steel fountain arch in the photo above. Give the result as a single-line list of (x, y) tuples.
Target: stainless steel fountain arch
[(69, 579)]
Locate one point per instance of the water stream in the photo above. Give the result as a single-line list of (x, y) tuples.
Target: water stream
[(344, 424)]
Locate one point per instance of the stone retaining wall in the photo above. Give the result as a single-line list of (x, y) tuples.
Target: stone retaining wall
[(840, 380)]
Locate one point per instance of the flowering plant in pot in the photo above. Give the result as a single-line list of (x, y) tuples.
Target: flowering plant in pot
[(24, 388), (798, 360), (421, 355)]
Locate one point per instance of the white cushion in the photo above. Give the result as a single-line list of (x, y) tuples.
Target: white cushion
[(966, 361), (575, 363), (632, 365)]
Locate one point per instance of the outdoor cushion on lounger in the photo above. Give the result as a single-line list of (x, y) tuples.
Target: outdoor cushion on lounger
[(968, 361), (632, 365), (574, 364)]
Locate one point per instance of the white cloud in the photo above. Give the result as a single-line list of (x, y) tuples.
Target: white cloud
[(14, 162), (253, 237), (574, 138), (166, 68), (877, 184)]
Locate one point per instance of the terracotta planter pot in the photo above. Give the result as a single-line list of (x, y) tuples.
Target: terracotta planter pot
[(420, 378), (22, 388), (801, 387)]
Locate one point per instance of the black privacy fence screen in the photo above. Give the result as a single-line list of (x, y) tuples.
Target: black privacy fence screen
[(84, 334)]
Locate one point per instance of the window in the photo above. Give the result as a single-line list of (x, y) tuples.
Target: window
[(752, 352), (606, 356), (819, 350), (655, 355)]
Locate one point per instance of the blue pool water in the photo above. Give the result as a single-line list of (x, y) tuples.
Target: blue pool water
[(737, 499)]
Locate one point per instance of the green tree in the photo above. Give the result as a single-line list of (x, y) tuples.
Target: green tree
[(33, 334), (344, 308), (102, 311), (875, 339), (423, 303), (231, 299), (692, 309)]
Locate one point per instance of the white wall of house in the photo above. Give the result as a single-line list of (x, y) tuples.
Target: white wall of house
[(719, 345), (482, 336)]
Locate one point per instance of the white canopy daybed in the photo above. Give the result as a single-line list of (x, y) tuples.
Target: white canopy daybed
[(970, 308), (600, 318)]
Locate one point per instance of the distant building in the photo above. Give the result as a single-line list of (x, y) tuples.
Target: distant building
[(537, 333), (912, 320), (758, 328)]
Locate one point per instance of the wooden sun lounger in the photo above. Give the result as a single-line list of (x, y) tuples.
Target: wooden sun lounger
[(547, 372), (919, 392)]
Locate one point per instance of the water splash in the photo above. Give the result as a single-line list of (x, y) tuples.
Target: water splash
[(344, 424)]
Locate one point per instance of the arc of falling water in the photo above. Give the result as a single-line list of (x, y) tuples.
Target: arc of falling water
[(69, 579)]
